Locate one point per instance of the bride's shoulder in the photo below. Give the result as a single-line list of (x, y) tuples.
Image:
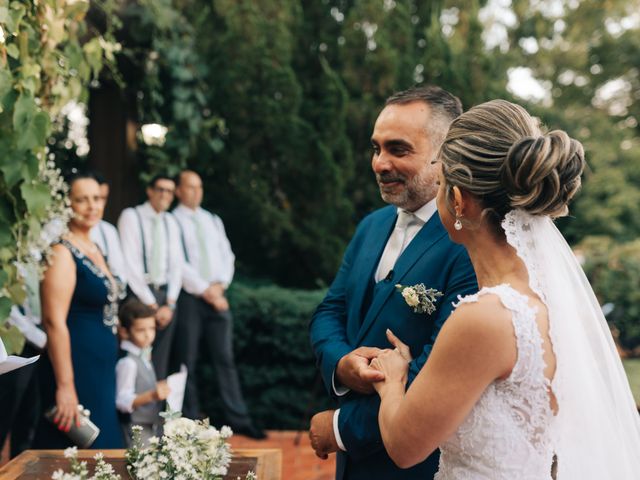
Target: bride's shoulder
[(483, 330), (481, 313)]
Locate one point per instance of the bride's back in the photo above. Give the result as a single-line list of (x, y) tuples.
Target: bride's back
[(510, 424)]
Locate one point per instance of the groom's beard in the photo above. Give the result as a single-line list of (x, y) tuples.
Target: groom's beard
[(412, 194)]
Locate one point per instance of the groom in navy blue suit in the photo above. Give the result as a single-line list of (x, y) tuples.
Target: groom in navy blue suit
[(403, 243)]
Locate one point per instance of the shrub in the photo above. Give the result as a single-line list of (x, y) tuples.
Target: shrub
[(614, 271), (273, 354)]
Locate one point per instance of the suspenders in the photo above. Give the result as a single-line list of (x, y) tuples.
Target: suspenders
[(144, 244), (184, 244)]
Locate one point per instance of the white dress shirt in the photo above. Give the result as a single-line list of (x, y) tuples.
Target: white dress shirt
[(126, 371), (131, 241), (106, 237), (423, 215), (219, 261)]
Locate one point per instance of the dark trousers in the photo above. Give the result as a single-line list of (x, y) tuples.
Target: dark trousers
[(197, 321), (20, 408), (164, 338)]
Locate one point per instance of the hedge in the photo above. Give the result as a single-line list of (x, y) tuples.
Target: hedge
[(274, 357), (614, 272)]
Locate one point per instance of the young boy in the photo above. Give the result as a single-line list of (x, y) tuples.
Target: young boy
[(138, 393)]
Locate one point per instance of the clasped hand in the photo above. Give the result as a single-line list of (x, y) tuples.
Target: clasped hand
[(392, 364), (362, 370), (365, 367)]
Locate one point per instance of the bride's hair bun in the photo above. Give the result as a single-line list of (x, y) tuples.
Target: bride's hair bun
[(498, 152), (542, 174)]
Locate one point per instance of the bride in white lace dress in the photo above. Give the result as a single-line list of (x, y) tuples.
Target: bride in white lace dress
[(524, 381)]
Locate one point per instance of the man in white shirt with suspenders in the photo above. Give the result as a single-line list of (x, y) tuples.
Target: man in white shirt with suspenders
[(202, 306), (106, 237), (150, 241)]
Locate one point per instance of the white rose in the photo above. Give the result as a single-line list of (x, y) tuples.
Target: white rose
[(208, 434), (179, 426), (411, 297)]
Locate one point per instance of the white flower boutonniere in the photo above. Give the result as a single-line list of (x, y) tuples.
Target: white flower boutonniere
[(420, 298)]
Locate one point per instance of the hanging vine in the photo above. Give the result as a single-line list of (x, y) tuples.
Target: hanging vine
[(48, 57)]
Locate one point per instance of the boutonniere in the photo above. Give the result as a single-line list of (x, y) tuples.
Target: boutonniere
[(420, 298)]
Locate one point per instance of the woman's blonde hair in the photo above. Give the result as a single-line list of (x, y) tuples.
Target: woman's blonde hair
[(499, 153)]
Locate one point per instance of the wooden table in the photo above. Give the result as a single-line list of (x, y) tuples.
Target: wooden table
[(40, 464)]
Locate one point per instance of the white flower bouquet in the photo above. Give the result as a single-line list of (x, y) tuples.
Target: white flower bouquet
[(188, 450), (80, 471), (420, 298)]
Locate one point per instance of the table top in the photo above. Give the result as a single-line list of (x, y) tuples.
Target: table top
[(40, 464)]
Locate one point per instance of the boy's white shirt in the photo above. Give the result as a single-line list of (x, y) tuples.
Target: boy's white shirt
[(126, 371)]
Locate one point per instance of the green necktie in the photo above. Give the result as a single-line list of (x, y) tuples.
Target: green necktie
[(203, 264), (157, 249)]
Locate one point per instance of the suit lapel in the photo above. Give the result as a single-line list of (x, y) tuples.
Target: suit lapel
[(373, 246), (430, 233)]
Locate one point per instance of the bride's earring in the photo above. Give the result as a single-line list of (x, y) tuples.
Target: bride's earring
[(458, 224)]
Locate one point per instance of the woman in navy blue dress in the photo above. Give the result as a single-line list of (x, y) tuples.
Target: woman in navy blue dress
[(79, 304)]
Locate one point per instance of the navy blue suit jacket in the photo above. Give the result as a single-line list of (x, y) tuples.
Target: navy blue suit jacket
[(351, 316)]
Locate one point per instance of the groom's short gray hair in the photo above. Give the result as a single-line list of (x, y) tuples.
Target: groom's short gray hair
[(445, 107)]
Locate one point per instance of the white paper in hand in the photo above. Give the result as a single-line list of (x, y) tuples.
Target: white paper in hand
[(177, 382), (11, 362)]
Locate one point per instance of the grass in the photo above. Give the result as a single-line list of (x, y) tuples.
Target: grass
[(632, 367)]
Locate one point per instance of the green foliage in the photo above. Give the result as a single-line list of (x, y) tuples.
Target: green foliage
[(47, 58), (614, 271), (275, 361), (583, 47), (632, 368), (299, 101), (165, 77)]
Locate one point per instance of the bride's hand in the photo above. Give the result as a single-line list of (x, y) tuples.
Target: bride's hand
[(402, 348), (394, 364), (394, 367)]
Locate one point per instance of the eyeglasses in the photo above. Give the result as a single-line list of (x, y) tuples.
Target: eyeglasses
[(170, 191)]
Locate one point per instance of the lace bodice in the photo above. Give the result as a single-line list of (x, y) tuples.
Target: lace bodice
[(507, 433)]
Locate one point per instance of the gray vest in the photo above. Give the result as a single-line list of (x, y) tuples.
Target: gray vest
[(145, 381)]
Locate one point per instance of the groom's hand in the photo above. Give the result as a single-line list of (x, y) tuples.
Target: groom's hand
[(353, 370), (323, 440)]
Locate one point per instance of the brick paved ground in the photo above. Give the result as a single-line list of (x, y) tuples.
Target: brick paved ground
[(298, 461)]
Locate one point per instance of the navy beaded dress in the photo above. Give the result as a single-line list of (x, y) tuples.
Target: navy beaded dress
[(94, 353)]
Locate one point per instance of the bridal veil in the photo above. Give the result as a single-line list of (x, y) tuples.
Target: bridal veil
[(596, 432)]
